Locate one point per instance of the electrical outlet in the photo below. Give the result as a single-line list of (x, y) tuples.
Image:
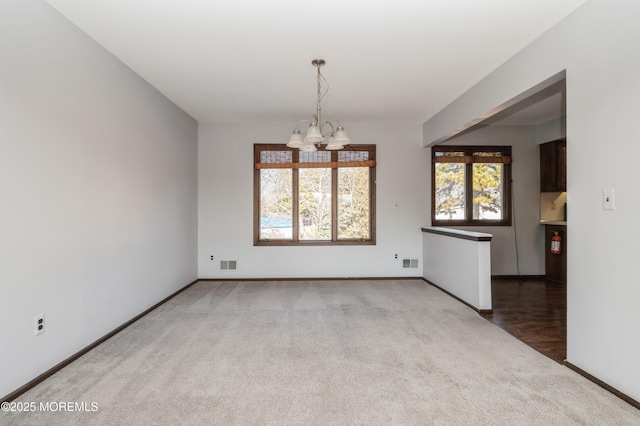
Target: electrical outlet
[(211, 258), (38, 324)]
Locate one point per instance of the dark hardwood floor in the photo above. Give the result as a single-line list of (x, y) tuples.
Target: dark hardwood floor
[(534, 311)]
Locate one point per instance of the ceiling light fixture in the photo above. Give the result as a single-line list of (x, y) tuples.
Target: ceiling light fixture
[(314, 137)]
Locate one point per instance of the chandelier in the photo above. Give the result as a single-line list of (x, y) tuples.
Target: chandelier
[(315, 135)]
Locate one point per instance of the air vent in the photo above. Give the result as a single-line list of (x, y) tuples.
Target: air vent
[(228, 264), (409, 263)]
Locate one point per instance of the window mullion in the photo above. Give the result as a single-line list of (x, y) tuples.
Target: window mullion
[(334, 198), (295, 208), (468, 182), (334, 204)]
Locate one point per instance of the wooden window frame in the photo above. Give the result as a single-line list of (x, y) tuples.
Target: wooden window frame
[(335, 165), (469, 160)]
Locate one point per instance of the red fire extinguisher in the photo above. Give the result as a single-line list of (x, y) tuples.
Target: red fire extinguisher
[(556, 241)]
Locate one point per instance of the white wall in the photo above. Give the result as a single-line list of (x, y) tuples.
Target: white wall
[(527, 256), (459, 266), (225, 199), (597, 45), (551, 130), (98, 180)]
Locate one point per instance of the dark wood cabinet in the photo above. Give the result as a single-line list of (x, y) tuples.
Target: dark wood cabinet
[(555, 265), (553, 166)]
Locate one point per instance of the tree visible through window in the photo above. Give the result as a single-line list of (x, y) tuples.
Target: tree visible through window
[(322, 197), (471, 185)]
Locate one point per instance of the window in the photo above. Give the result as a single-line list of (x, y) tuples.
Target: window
[(471, 185), (314, 198)]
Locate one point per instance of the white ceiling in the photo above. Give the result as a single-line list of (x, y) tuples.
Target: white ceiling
[(250, 60)]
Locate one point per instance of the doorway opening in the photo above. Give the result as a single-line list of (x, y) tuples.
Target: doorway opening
[(533, 308)]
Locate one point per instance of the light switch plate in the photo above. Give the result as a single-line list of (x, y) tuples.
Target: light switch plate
[(608, 199)]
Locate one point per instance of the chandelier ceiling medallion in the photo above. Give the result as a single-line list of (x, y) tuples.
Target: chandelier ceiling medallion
[(315, 135)]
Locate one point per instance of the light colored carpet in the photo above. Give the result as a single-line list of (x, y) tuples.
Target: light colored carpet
[(320, 353)]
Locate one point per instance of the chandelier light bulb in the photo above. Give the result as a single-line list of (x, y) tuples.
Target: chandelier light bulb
[(296, 140), (308, 147), (341, 136), (313, 135), (333, 145)]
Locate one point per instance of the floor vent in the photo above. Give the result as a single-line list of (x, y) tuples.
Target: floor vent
[(228, 264), (409, 263)]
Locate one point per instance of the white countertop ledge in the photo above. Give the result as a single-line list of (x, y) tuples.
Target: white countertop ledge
[(459, 233), (553, 222)]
